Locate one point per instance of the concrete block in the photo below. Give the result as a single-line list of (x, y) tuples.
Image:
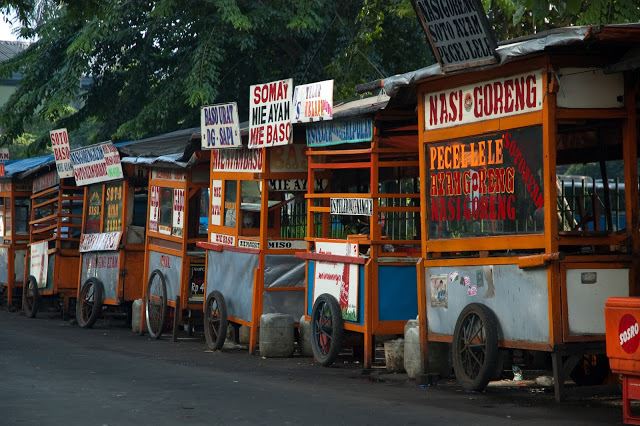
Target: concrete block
[(136, 315), (276, 335), (244, 333), (439, 361), (394, 355)]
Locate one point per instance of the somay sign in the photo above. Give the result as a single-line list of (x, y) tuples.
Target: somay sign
[(220, 126), (270, 114), (62, 152), (312, 102), (498, 98), (458, 32), (97, 163)]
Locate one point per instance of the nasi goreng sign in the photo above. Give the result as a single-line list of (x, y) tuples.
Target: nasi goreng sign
[(458, 32), (98, 163), (503, 97), (486, 185)]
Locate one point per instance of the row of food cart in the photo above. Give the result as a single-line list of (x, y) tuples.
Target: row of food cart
[(452, 201)]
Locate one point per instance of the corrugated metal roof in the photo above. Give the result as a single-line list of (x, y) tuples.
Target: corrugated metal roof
[(16, 167), (510, 50), (9, 49)]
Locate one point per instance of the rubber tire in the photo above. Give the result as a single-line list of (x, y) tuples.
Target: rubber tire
[(163, 313), (98, 298), (217, 343), (337, 330), (490, 365), (31, 313), (588, 374)]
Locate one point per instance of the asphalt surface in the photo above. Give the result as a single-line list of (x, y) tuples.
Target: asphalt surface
[(54, 373)]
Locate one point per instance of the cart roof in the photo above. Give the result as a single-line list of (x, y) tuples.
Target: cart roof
[(522, 47), (16, 167)]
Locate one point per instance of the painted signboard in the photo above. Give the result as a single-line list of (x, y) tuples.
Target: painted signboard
[(288, 159), (237, 160), (196, 281), (39, 262), (94, 209), (216, 202), (61, 152), (178, 213), (45, 181), (295, 185), (270, 114), (287, 244), (113, 208), (487, 100), (252, 244), (339, 132), (169, 174), (458, 32), (352, 206), (338, 279), (312, 102), (104, 241), (220, 126), (4, 157), (227, 240), (154, 208), (97, 163), (486, 185)]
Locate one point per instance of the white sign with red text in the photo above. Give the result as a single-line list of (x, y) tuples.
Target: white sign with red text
[(178, 212), (226, 240), (100, 242), (498, 98), (216, 202), (39, 262), (270, 114), (312, 102), (98, 163), (154, 208), (62, 152), (338, 279)]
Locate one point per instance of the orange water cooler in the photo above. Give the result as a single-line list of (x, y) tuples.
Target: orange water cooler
[(622, 316)]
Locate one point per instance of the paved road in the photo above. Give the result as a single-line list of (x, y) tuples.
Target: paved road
[(53, 373)]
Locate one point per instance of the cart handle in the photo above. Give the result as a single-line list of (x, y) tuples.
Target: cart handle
[(538, 260)]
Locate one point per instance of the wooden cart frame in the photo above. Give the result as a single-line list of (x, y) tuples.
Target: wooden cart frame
[(119, 273), (15, 194), (56, 219), (171, 255), (542, 251), (387, 296), (267, 246)]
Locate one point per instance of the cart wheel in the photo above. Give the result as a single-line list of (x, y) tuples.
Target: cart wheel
[(156, 304), (591, 370), (31, 297), (475, 347), (89, 304), (326, 329), (215, 321)]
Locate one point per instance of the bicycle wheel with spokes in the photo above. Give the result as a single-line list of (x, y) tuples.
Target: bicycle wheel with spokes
[(89, 303), (156, 304), (475, 347), (326, 329), (215, 321), (30, 297)]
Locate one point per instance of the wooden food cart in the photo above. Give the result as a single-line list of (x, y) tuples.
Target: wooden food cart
[(258, 221), (52, 261), (176, 221), (518, 252), (15, 203), (112, 240), (365, 234)]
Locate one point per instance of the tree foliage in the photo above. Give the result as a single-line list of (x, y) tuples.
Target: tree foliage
[(154, 63)]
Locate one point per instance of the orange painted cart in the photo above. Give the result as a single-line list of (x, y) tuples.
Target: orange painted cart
[(176, 221), (52, 261), (257, 222), (527, 226), (365, 233), (112, 245), (15, 204)]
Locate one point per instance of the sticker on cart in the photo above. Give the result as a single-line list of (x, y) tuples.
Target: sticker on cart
[(439, 291), (629, 333), (226, 240), (39, 262)]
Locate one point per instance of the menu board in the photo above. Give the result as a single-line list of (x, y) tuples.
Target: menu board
[(94, 209), (113, 207)]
